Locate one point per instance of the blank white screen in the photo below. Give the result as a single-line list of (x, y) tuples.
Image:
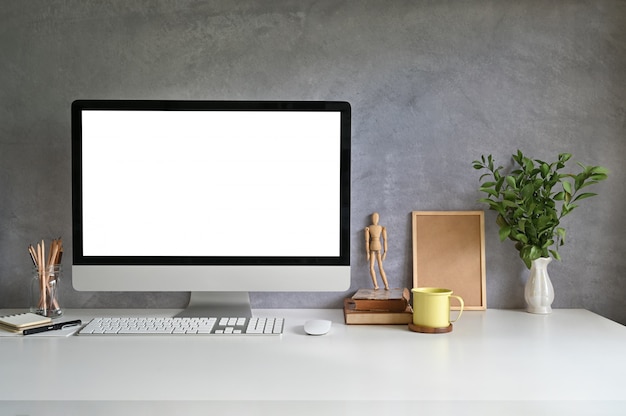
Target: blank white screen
[(203, 183)]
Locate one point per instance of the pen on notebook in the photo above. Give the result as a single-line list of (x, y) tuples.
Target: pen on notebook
[(52, 327)]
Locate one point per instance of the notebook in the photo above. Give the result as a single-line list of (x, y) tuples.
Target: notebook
[(20, 321)]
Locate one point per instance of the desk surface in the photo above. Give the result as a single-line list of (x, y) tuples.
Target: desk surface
[(503, 355)]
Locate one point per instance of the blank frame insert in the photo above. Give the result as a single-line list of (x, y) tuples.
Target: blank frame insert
[(449, 252)]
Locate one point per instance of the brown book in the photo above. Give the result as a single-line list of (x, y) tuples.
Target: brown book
[(392, 300), (354, 317)]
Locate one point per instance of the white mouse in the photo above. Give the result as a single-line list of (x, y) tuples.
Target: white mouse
[(317, 326)]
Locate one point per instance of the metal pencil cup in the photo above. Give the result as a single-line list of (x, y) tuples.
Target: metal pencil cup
[(44, 291)]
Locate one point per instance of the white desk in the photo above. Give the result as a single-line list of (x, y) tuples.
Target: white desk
[(568, 362)]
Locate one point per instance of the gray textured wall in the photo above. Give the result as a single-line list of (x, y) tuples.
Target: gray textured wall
[(433, 85)]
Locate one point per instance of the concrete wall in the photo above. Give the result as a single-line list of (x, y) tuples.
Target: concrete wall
[(433, 85)]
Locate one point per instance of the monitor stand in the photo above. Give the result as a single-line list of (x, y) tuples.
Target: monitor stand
[(217, 304)]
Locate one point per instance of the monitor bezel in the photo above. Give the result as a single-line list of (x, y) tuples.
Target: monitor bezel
[(78, 106)]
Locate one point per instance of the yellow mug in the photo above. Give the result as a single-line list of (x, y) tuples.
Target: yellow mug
[(431, 307)]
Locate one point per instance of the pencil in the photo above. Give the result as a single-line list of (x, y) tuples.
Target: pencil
[(31, 251), (42, 284)]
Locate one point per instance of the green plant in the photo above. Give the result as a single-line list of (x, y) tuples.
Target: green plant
[(529, 209)]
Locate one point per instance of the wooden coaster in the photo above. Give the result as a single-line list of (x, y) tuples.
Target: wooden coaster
[(429, 330)]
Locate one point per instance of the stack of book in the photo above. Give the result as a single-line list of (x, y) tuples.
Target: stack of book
[(378, 306)]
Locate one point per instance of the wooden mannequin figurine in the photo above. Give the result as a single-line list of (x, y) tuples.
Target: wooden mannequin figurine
[(373, 246)]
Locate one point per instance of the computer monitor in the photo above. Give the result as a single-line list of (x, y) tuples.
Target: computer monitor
[(217, 198)]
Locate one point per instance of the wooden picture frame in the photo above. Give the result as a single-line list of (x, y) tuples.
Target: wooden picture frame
[(449, 252)]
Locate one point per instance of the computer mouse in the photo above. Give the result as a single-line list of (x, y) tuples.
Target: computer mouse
[(317, 326)]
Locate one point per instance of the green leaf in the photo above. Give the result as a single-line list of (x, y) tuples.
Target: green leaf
[(579, 180), (600, 170), (489, 191), (501, 221), (499, 183), (504, 232), (524, 253), (493, 205), (567, 187), (528, 165), (598, 176), (511, 181), (509, 195), (521, 237), (587, 183), (584, 196), (564, 157), (567, 208), (555, 254), (528, 191), (535, 252)]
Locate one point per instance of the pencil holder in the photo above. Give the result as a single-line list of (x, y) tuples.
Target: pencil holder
[(44, 291)]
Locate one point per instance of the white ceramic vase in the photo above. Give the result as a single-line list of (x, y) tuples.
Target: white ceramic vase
[(539, 293)]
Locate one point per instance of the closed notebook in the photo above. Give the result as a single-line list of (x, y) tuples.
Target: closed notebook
[(21, 321)]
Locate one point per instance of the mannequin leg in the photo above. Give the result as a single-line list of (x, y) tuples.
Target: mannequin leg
[(372, 272), (382, 271)]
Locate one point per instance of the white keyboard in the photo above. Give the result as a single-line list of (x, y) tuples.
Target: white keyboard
[(184, 326)]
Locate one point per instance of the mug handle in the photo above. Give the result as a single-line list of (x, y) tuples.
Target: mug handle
[(460, 299)]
